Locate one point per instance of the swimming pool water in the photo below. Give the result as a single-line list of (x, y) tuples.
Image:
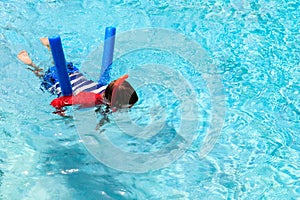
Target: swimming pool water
[(254, 44)]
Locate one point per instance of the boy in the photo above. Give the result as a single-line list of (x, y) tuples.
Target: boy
[(86, 93)]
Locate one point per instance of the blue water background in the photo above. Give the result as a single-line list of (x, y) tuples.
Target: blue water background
[(256, 46)]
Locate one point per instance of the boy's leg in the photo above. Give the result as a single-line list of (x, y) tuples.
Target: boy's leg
[(24, 57)]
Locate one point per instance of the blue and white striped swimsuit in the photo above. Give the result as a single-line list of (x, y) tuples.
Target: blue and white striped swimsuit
[(79, 83)]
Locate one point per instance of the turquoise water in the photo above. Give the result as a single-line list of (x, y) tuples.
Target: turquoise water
[(255, 46)]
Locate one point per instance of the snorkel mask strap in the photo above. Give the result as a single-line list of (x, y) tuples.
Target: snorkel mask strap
[(117, 84)]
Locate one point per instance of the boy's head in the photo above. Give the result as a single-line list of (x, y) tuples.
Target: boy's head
[(125, 95)]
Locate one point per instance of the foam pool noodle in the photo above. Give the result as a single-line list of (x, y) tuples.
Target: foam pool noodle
[(60, 64), (107, 58)]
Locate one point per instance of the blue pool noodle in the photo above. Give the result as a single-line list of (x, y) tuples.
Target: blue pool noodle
[(108, 52), (60, 63)]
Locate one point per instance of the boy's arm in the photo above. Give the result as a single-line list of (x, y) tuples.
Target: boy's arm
[(83, 99)]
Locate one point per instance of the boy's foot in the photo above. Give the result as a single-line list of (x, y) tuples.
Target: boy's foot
[(45, 42), (24, 57)]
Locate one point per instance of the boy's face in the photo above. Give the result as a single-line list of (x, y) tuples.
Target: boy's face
[(105, 100), (127, 106)]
